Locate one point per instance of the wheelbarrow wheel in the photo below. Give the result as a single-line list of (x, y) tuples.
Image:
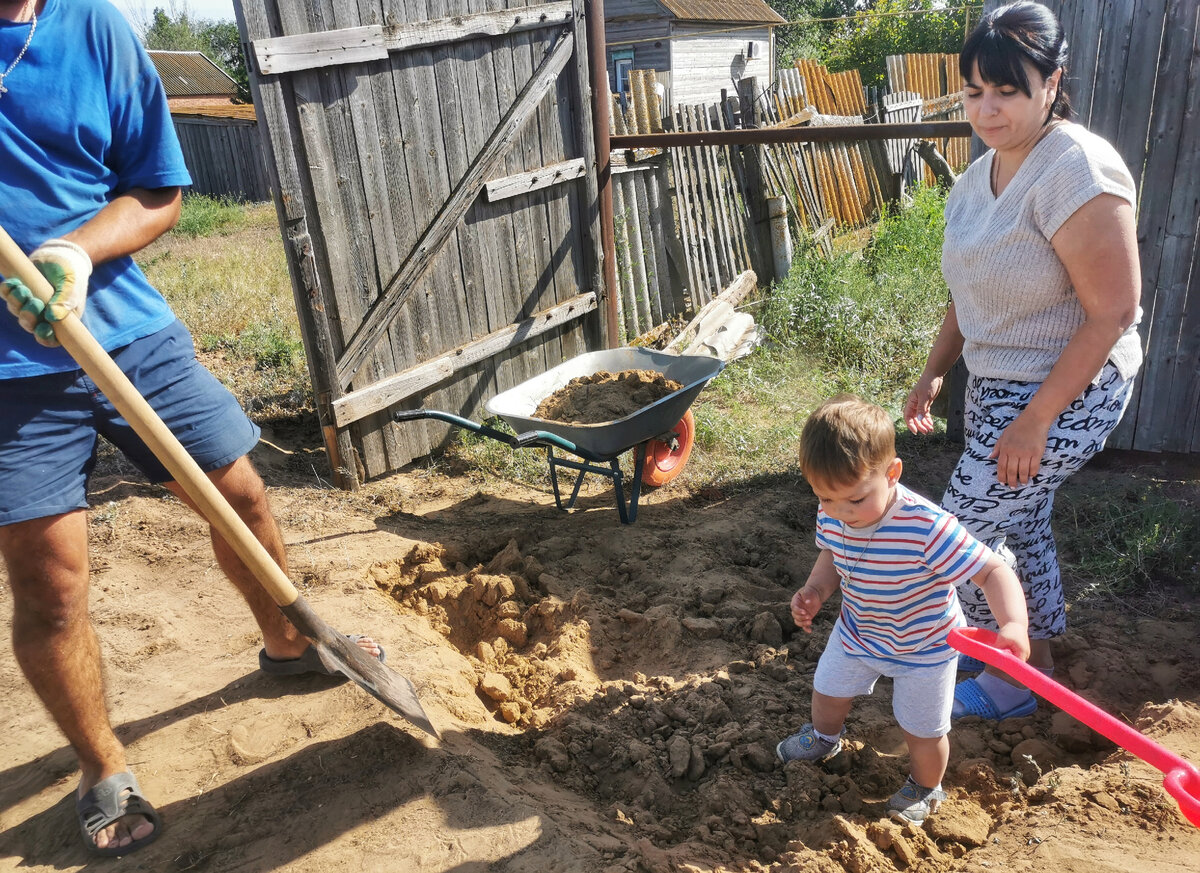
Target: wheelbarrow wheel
[(664, 463)]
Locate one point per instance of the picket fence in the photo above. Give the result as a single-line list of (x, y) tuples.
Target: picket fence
[(688, 220)]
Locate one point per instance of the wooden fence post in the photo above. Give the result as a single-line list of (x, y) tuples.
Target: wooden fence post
[(752, 158)]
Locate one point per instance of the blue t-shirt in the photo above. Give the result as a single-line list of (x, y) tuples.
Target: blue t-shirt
[(83, 119)]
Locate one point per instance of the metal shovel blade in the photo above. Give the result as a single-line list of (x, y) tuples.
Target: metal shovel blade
[(343, 655)]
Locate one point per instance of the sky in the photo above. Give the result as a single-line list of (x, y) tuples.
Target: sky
[(140, 10)]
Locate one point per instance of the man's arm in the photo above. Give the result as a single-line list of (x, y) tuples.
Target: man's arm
[(128, 224)]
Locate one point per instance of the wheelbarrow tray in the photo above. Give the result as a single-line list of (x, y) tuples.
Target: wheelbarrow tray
[(606, 440)]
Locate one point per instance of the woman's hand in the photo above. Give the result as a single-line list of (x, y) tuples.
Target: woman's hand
[(916, 408), (806, 603), (1019, 450)]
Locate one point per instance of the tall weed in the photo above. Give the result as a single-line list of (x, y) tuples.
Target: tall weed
[(871, 316), (204, 216)]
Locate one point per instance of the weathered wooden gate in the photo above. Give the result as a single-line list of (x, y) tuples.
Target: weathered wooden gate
[(435, 181)]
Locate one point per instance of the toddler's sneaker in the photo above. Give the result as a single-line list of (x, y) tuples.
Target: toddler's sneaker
[(807, 746), (914, 803)]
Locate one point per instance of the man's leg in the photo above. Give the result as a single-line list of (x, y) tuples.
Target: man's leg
[(55, 645), (243, 488)]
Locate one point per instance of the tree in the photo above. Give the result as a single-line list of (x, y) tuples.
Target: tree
[(226, 49), (865, 42), (175, 28), (869, 31), (804, 37)]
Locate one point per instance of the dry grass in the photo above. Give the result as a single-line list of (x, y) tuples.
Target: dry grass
[(232, 289)]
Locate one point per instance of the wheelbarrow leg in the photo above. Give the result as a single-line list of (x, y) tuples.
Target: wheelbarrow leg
[(628, 512), (555, 463)]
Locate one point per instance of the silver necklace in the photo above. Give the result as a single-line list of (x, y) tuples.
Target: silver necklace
[(20, 54), (846, 549)]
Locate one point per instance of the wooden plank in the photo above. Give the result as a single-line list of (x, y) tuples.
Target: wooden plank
[(294, 195), (565, 246), (1149, 18), (745, 250), (529, 218), (666, 241), (364, 226), (401, 386), (1086, 51), (637, 254), (502, 289), (686, 218), (709, 272), (1112, 58), (1171, 213), (374, 42), (722, 200), (657, 277), (585, 217), (628, 296), (460, 288), (714, 197), (435, 236), (534, 180)]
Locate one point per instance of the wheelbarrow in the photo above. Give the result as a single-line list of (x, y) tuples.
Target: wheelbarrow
[(660, 432)]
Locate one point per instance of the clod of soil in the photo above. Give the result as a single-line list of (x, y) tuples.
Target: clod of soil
[(605, 396)]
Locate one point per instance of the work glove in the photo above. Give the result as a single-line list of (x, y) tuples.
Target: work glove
[(66, 267)]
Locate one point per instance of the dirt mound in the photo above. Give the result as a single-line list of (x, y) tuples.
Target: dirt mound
[(604, 396), (609, 698)]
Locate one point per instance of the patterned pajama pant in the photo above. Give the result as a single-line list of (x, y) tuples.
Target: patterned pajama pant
[(1015, 522)]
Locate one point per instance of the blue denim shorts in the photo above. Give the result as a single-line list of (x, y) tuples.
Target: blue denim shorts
[(49, 425)]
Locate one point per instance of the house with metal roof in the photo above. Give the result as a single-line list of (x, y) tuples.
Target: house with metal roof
[(192, 80), (221, 142), (696, 47)]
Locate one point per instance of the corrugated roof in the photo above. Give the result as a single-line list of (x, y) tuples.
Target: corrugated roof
[(191, 74), (751, 11)]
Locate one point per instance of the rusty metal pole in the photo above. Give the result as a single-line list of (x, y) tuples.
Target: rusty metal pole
[(600, 124)]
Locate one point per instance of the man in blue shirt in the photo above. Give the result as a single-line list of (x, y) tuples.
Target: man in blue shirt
[(91, 172)]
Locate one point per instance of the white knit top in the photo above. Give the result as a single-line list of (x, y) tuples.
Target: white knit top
[(1015, 303)]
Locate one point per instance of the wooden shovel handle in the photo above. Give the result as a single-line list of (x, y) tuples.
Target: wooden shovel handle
[(97, 363)]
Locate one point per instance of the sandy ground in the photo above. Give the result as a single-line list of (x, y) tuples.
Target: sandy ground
[(609, 698)]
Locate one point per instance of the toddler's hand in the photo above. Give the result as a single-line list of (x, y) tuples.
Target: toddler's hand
[(805, 605), (1015, 638)]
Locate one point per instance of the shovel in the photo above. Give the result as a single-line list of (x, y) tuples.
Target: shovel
[(336, 651), (1181, 778)]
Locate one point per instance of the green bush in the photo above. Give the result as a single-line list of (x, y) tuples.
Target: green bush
[(204, 216), (866, 36), (870, 316)]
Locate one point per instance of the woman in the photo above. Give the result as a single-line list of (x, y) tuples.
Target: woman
[(1042, 264)]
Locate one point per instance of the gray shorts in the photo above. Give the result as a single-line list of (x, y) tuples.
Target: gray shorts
[(921, 696)]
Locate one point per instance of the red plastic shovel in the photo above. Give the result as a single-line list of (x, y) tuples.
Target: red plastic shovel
[(1181, 778)]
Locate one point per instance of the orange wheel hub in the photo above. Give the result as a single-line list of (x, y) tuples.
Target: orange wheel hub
[(664, 463)]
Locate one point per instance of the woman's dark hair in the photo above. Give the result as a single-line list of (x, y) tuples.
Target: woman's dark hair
[(1006, 37)]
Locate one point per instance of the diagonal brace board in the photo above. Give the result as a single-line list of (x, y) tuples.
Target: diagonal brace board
[(387, 306)]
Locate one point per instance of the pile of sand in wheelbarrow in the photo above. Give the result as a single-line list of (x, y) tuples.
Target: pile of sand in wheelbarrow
[(605, 396)]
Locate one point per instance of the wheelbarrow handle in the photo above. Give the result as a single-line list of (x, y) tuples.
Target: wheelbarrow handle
[(1182, 779), (519, 441)]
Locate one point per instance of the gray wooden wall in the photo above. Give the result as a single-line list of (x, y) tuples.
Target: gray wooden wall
[(1134, 75), (224, 156)]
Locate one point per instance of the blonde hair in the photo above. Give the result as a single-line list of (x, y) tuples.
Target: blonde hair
[(845, 439)]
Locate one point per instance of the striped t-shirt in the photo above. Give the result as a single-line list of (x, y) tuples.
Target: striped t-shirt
[(898, 580)]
